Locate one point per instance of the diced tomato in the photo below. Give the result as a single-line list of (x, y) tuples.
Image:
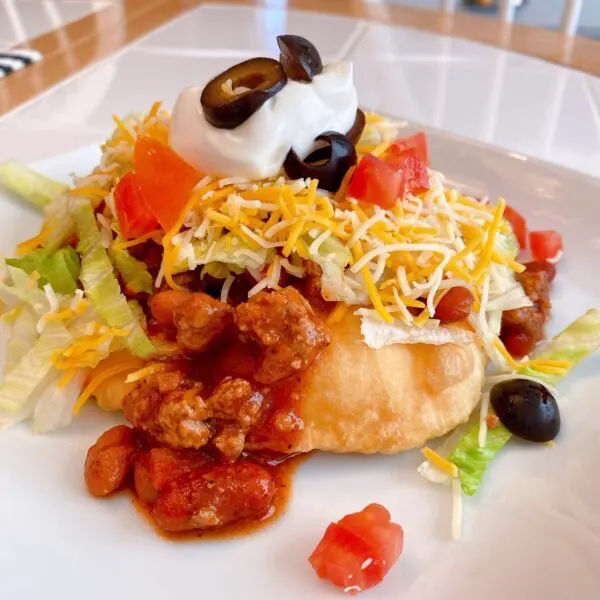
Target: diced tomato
[(415, 145), (133, 213), (357, 552), (415, 179), (375, 182), (410, 157), (518, 224), (164, 178), (545, 245)]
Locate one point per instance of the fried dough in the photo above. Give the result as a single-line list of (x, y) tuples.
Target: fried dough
[(357, 399)]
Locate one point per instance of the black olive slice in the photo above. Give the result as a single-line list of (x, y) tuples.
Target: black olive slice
[(527, 409), (358, 127), (300, 59), (227, 106), (353, 134), (329, 164)]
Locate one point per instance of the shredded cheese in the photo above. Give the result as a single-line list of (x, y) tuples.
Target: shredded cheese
[(399, 258), (147, 371), (440, 462), (457, 508), (226, 287), (103, 376), (483, 414)]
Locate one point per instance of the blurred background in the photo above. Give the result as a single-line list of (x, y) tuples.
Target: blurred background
[(22, 20), (535, 13)]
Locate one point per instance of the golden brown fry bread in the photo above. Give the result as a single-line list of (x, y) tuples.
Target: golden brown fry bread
[(396, 398)]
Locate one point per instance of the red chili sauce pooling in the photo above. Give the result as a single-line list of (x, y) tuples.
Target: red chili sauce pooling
[(195, 458)]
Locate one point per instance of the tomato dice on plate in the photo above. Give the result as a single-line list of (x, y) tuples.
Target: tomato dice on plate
[(133, 213), (518, 224), (545, 245), (165, 179), (358, 551), (375, 182)]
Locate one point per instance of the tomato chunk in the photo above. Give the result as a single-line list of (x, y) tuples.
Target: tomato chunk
[(410, 157), (357, 552), (165, 179), (518, 224), (400, 150), (415, 179), (375, 182), (133, 213), (545, 245)]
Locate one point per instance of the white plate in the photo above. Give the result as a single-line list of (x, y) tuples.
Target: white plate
[(532, 532)]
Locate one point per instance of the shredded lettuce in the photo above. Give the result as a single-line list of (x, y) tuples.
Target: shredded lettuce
[(30, 374), (29, 185), (505, 292), (229, 252), (59, 225), (134, 272), (54, 405), (99, 282), (22, 333), (378, 334), (333, 258), (18, 289), (60, 268), (575, 343)]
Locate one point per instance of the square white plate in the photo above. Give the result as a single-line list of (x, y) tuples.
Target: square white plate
[(533, 530)]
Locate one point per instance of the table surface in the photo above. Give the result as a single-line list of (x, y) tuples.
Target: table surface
[(411, 63)]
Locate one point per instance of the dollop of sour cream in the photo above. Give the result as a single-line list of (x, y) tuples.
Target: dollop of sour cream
[(293, 118)]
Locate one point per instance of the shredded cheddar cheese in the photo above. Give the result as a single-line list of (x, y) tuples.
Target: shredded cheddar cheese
[(440, 462), (394, 260), (100, 378), (152, 369)]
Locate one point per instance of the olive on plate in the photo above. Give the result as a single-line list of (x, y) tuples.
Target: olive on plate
[(237, 93), (328, 164), (300, 59), (527, 409)]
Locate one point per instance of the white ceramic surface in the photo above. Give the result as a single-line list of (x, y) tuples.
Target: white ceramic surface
[(515, 102), (533, 531), (22, 20)]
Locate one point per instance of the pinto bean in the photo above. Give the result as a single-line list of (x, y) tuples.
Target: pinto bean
[(215, 496), (109, 460)]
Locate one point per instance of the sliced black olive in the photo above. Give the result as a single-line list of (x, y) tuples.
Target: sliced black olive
[(328, 168), (300, 59), (353, 134), (263, 77), (358, 126), (527, 409)]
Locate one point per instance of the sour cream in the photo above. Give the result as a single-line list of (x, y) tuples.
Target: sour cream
[(293, 118)]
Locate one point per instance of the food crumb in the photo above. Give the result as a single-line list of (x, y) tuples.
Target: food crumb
[(492, 421)]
